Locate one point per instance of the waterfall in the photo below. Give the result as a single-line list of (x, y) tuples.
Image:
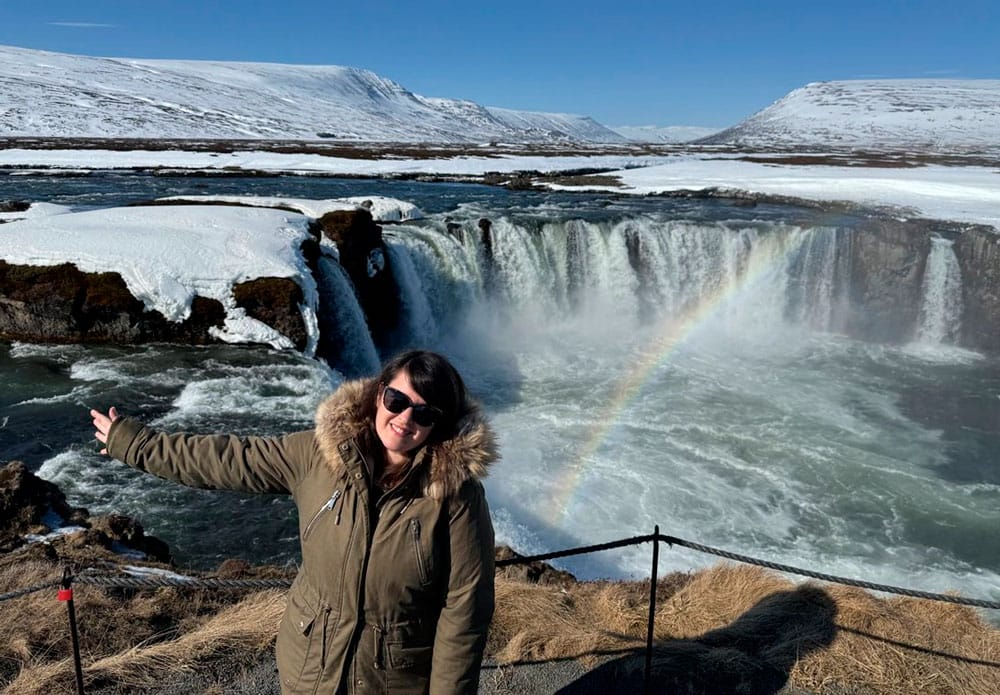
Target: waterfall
[(438, 276), (343, 329), (814, 271), (613, 274), (941, 294)]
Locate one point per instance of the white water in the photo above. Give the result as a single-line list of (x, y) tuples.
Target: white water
[(747, 424), (577, 270), (940, 311), (751, 427), (348, 324)]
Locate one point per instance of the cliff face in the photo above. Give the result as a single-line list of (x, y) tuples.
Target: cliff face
[(887, 259), (888, 262), (878, 285), (62, 304), (364, 257), (978, 253)]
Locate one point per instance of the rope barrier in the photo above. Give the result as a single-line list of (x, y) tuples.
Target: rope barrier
[(979, 603), (87, 577), (186, 582), (29, 590), (635, 540), (746, 559)]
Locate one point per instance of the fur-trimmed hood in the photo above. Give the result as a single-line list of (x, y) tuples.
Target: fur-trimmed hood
[(444, 467)]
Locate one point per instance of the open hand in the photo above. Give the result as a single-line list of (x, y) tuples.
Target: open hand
[(102, 423)]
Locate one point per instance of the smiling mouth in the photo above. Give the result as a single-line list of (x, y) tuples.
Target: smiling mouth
[(399, 430)]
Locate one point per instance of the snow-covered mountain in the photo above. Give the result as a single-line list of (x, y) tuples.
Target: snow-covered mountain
[(949, 116), (48, 94), (663, 134)]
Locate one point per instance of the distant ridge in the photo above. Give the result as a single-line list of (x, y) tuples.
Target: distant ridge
[(949, 116), (664, 134), (44, 94)]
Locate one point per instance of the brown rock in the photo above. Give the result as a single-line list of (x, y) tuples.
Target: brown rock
[(14, 205), (536, 572), (25, 499), (364, 257), (61, 304), (276, 302), (118, 528)]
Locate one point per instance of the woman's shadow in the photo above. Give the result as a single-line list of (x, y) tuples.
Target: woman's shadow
[(753, 655)]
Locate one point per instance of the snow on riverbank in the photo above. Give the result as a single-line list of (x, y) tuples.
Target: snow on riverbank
[(167, 255), (381, 208), (964, 194)]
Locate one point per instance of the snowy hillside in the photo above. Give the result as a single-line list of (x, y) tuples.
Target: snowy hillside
[(949, 116), (663, 134), (59, 95)]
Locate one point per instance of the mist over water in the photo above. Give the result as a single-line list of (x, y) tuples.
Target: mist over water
[(709, 393)]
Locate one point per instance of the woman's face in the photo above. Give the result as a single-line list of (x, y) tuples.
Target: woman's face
[(398, 431)]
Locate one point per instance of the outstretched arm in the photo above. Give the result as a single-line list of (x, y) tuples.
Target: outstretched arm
[(214, 461), (102, 425)]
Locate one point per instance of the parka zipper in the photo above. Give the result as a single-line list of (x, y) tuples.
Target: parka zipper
[(415, 535), (326, 507), (326, 624)]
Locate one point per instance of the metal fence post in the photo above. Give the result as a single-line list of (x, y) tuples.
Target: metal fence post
[(66, 594), (652, 610)]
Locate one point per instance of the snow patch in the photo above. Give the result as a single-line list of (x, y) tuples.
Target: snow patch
[(167, 255)]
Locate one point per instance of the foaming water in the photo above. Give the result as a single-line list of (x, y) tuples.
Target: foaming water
[(804, 455), (242, 390), (282, 392), (745, 422)]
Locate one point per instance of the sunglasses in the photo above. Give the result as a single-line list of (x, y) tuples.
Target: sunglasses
[(397, 401)]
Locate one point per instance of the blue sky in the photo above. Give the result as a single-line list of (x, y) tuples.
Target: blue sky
[(624, 63)]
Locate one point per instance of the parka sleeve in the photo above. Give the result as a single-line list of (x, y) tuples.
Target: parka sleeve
[(460, 638), (224, 462)]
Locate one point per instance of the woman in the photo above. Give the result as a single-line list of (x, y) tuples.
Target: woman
[(395, 591)]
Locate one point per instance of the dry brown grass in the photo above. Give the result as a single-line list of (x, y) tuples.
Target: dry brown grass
[(247, 627), (744, 627), (746, 623), (157, 630)]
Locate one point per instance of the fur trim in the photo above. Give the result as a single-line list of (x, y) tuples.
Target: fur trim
[(468, 454)]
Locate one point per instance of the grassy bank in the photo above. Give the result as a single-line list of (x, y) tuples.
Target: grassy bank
[(728, 629)]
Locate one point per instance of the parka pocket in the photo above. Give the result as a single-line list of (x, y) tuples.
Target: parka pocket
[(421, 554), (327, 508), (404, 657), (299, 649), (408, 648)]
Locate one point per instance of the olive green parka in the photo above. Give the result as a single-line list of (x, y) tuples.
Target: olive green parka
[(393, 595)]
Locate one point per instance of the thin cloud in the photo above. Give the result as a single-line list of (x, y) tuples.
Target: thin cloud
[(83, 25)]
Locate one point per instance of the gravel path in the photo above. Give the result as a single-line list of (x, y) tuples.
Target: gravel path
[(560, 677)]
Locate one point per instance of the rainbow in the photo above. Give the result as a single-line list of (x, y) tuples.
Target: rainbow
[(669, 335)]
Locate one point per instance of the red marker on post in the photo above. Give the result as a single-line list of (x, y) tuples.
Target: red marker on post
[(66, 594)]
